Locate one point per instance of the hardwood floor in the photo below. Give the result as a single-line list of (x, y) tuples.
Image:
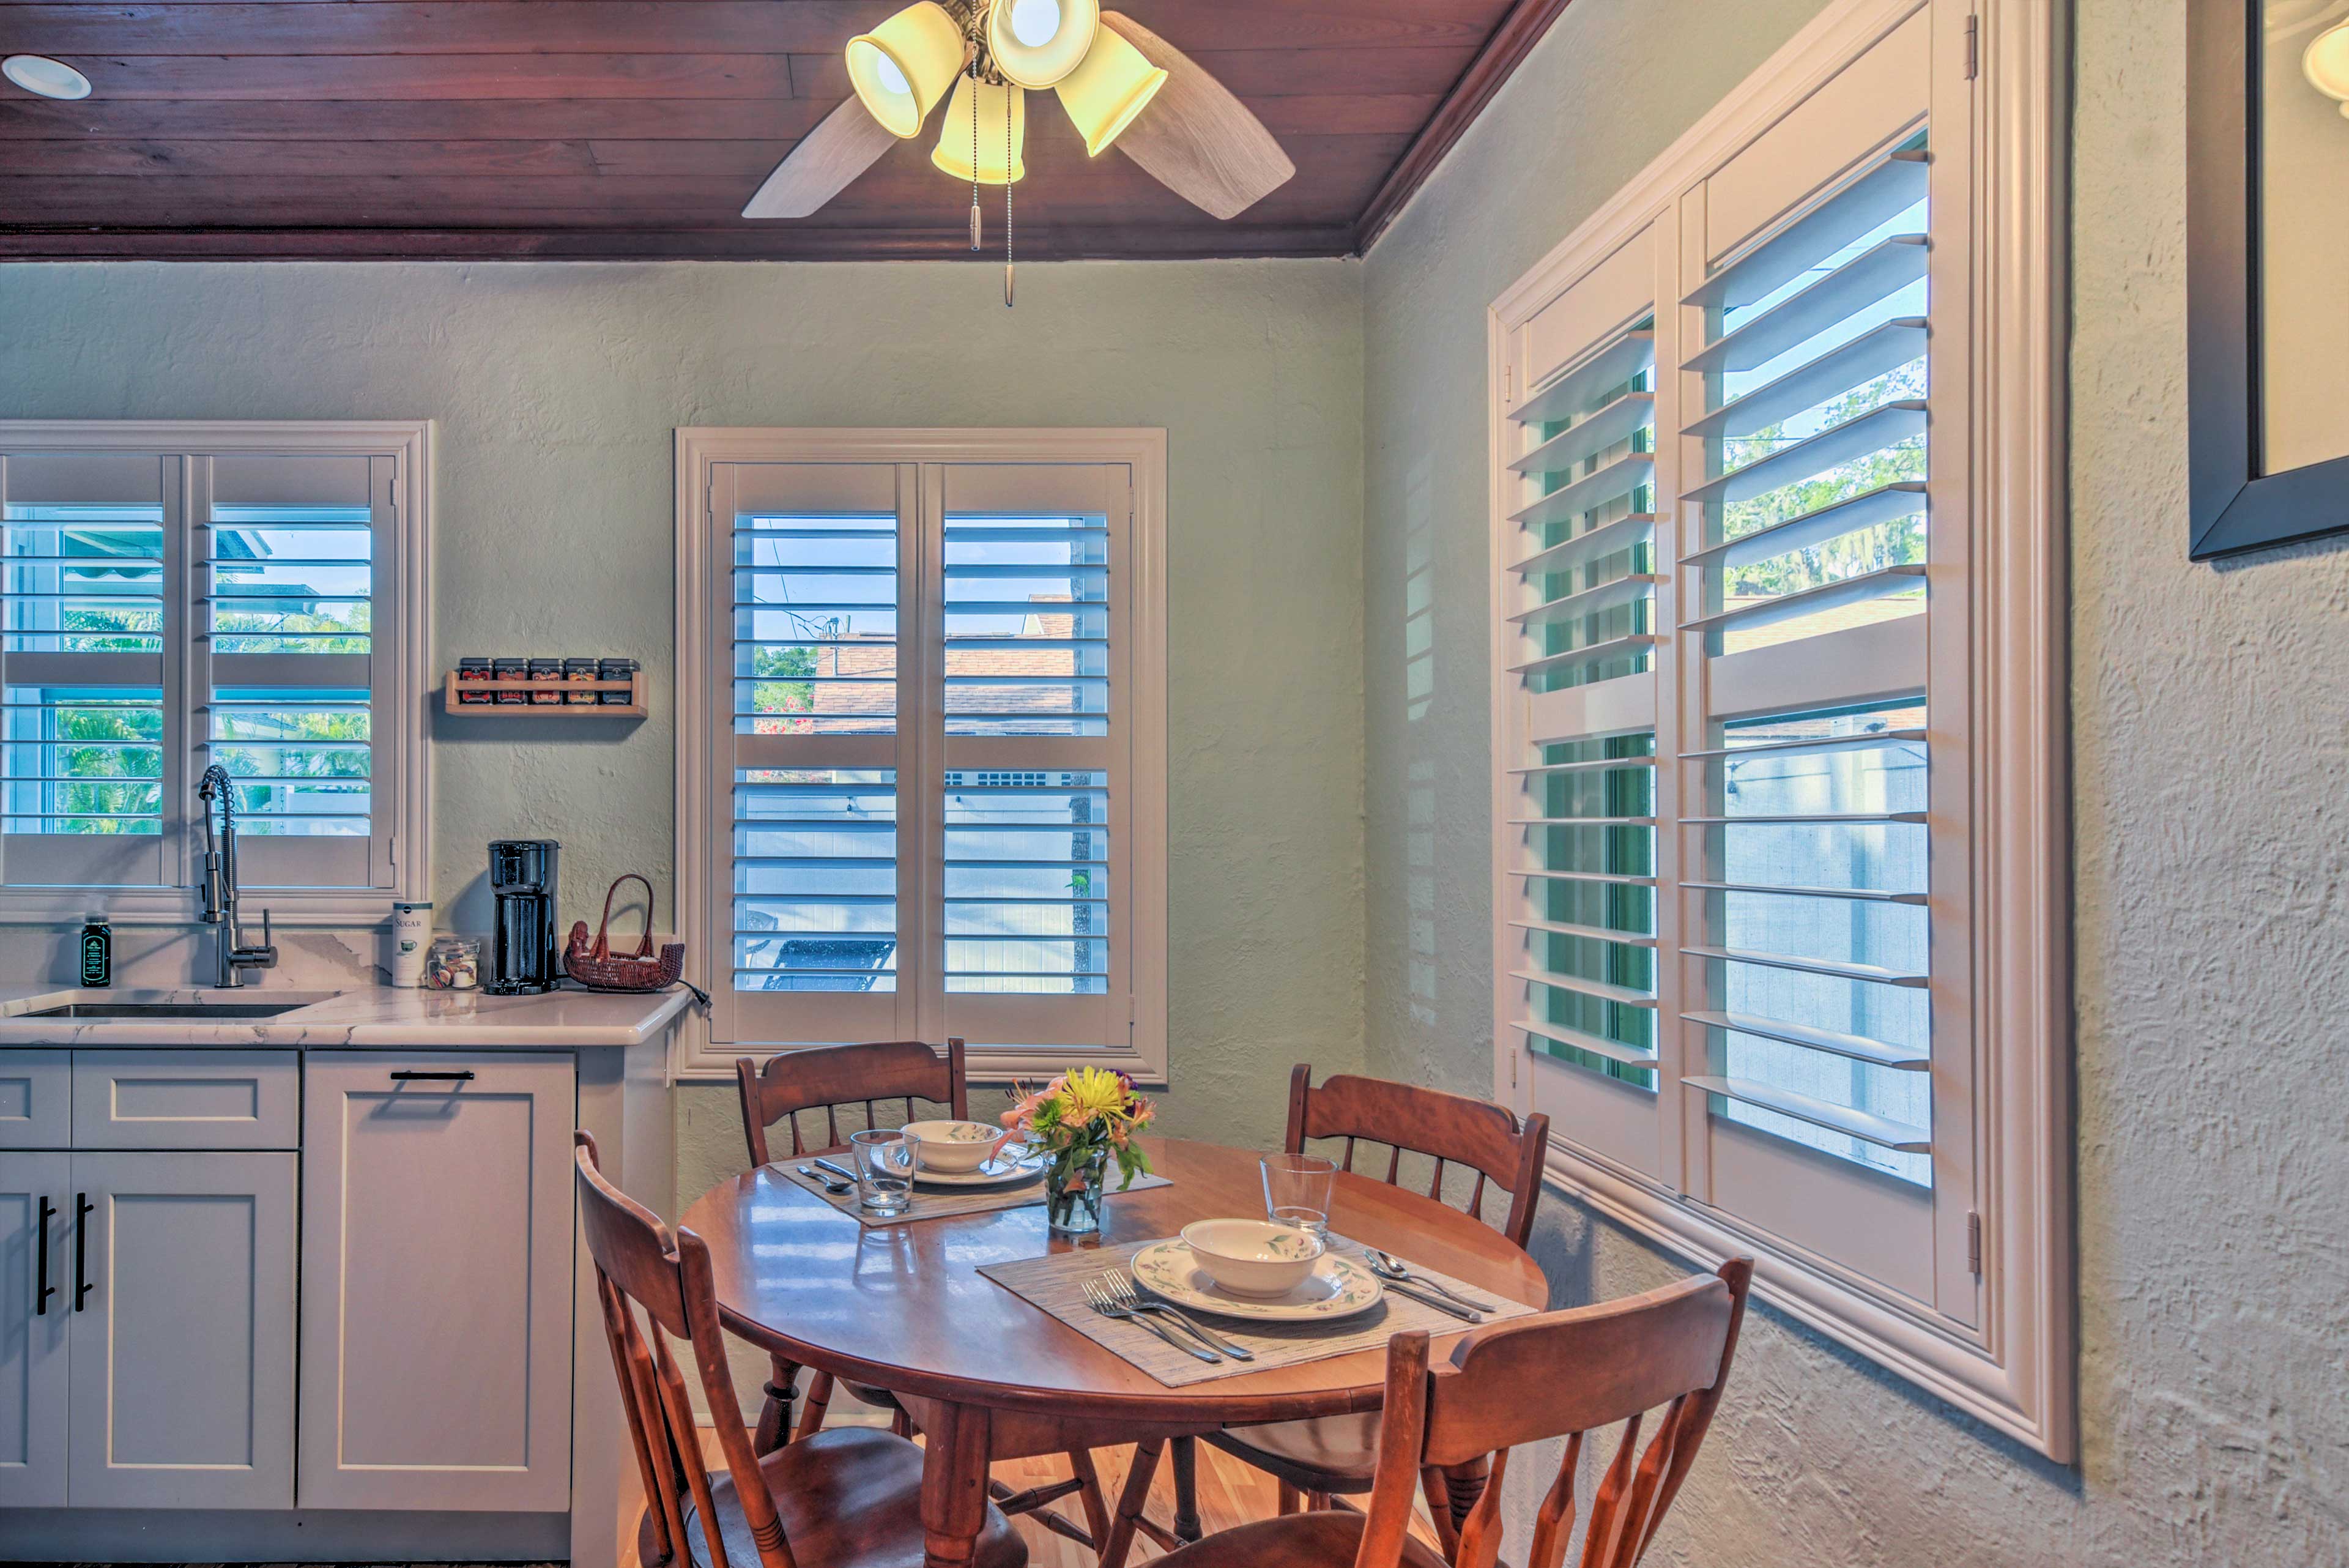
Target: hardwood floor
[(1230, 1493)]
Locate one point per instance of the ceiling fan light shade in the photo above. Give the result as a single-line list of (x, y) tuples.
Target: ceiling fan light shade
[(901, 69), (1030, 55), (2326, 64), (997, 105), (1115, 83)]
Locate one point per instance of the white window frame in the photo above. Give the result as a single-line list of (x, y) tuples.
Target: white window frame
[(2007, 1358), (400, 655), (703, 857)]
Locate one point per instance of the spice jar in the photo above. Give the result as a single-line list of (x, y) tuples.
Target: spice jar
[(547, 670), (579, 673), (452, 963), (512, 670), (475, 670), (616, 670)]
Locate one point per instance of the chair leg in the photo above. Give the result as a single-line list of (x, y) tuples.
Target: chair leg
[(901, 1423), (1437, 1490), (1317, 1502), (775, 1414), (1128, 1504), (813, 1405), (1187, 1490), (1089, 1495), (1291, 1500)]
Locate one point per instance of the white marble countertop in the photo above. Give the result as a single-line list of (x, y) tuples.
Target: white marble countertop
[(363, 1017)]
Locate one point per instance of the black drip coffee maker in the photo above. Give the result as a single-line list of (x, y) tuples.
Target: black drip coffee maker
[(522, 930)]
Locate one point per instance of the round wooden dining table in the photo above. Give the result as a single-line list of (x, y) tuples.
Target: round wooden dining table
[(984, 1375)]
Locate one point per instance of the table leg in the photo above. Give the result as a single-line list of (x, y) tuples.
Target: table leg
[(1466, 1483), (954, 1484), (775, 1413), (1187, 1490)]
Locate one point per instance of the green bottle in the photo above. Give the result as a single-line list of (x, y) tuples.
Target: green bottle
[(97, 952)]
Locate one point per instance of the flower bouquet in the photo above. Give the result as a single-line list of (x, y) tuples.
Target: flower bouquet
[(1082, 1119)]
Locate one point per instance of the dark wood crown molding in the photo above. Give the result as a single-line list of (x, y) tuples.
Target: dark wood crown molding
[(1511, 42)]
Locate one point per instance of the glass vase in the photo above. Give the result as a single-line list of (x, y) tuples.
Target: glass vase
[(1072, 1192)]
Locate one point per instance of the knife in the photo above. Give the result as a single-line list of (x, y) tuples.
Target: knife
[(1438, 1303), (827, 1165)]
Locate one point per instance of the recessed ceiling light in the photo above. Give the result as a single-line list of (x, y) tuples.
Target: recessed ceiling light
[(49, 77)]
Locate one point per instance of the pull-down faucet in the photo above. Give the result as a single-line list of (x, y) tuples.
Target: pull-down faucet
[(220, 883)]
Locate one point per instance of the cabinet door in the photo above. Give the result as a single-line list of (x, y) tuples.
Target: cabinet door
[(36, 1303), (436, 1281), (182, 1350)]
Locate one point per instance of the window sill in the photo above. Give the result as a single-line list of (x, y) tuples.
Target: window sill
[(695, 1061), (291, 907)]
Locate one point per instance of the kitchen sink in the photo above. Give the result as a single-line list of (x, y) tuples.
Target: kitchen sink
[(183, 1011)]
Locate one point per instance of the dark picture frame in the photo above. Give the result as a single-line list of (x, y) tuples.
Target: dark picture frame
[(2232, 505)]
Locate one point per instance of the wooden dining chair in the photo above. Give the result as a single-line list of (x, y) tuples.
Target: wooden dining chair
[(849, 1498), (1571, 1375), (1335, 1455), (880, 1076)]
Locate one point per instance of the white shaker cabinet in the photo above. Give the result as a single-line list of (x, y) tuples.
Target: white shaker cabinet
[(36, 1271), (178, 1291), (437, 1282)]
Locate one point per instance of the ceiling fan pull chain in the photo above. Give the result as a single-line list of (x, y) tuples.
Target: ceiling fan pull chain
[(974, 156), (1008, 172)]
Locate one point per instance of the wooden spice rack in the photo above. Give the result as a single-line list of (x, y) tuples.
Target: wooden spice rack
[(490, 708)]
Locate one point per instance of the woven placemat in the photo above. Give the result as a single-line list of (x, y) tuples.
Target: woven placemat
[(1055, 1283), (941, 1202)]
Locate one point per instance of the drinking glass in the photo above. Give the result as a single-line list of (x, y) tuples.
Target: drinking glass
[(887, 1161), (1297, 1190)]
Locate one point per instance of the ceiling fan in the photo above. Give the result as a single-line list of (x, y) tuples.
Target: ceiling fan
[(1121, 85)]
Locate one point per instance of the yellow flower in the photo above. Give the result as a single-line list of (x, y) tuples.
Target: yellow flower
[(1093, 1092)]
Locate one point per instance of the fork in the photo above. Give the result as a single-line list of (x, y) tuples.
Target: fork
[(1124, 1291), (1097, 1297)]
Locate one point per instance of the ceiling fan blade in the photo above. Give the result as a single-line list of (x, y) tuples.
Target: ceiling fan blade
[(1195, 138), (846, 143)]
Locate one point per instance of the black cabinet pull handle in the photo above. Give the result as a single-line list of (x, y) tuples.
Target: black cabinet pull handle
[(83, 1210), (41, 1302), (461, 1076)]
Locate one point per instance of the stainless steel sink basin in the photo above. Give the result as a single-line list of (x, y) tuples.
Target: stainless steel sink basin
[(184, 1011)]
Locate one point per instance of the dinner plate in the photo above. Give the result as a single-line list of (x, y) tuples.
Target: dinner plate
[(1338, 1287), (1023, 1166)]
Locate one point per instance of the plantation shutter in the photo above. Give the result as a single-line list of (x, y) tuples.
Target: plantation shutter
[(1580, 601), (296, 559), (90, 764), (1764, 1009), (1824, 889), (929, 759), (820, 872)]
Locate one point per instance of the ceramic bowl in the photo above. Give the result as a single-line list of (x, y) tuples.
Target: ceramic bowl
[(1253, 1257), (955, 1147)]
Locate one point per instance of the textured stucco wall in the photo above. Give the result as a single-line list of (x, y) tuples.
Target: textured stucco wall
[(557, 388), (2209, 750)]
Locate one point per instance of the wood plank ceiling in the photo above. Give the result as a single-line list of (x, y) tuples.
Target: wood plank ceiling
[(636, 129)]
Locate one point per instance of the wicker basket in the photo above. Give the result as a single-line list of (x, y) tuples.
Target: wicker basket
[(595, 965)]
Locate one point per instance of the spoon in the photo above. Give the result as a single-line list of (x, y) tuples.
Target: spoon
[(1388, 1267), (831, 1183)]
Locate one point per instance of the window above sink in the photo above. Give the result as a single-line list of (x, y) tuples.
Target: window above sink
[(173, 596)]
